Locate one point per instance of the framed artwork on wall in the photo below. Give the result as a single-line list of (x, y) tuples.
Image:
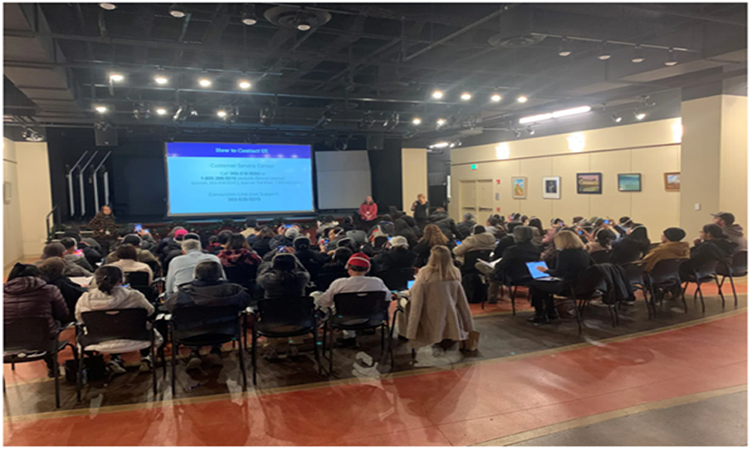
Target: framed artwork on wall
[(672, 181), (589, 183), (518, 184), (629, 182), (551, 187)]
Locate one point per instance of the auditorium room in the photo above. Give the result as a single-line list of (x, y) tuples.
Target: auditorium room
[(375, 224)]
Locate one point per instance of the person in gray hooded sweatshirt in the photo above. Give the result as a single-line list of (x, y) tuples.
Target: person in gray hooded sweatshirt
[(734, 231)]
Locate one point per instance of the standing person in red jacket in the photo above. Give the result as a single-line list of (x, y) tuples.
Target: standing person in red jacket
[(368, 211)]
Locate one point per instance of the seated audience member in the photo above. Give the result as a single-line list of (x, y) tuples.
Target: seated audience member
[(127, 261), (51, 270), (213, 245), (223, 238), (445, 223), (75, 232), (358, 281), (173, 248), (110, 294), (251, 230), (384, 227), (56, 250), (402, 228), (571, 261), (144, 256), (178, 252), (734, 231), (286, 239), (328, 223), (714, 246), (311, 259), (263, 244), (506, 241), (549, 236), (397, 256), (466, 225), (479, 240), (283, 277), (632, 247), (495, 227), (602, 241), (432, 236), (670, 248), (337, 265), (378, 245), (536, 224), (623, 225), (512, 266), (437, 309), (576, 220), (348, 243), (208, 289), (238, 254), (348, 223), (181, 268), (165, 241), (26, 295), (72, 254)]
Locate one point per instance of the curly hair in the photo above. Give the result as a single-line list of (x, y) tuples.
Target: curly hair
[(433, 236)]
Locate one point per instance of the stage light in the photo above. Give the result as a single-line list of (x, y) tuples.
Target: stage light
[(616, 118), (637, 55), (367, 121), (639, 115), (604, 53), (522, 99), (108, 6), (32, 135), (116, 77), (564, 48), (440, 122), (516, 133), (184, 111), (161, 111), (161, 80), (204, 82), (437, 94), (671, 60), (244, 84), (101, 109), (325, 119), (266, 116), (391, 122), (248, 15), (304, 26), (496, 98), (141, 111), (465, 96), (221, 113), (530, 130), (416, 121), (177, 11)]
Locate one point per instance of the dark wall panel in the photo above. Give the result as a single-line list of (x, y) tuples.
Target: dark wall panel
[(385, 169)]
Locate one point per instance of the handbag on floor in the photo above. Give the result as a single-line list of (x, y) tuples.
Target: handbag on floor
[(94, 369), (471, 343)]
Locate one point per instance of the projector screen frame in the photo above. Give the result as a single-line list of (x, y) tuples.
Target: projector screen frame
[(313, 189)]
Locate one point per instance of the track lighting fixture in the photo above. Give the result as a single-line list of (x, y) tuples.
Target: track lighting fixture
[(671, 60), (604, 53), (108, 6), (437, 94), (248, 15), (516, 133), (440, 123), (616, 118), (32, 135), (183, 112), (267, 115), (637, 55), (367, 121), (141, 111), (391, 122), (639, 115), (102, 125), (325, 119), (177, 11), (530, 130), (564, 48)]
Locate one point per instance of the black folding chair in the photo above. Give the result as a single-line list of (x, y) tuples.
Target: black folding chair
[(397, 280), (203, 326), (601, 257), (285, 318), (324, 280), (108, 325), (139, 282), (635, 276), (242, 275), (704, 273), (734, 267), (589, 285), (359, 311), (472, 280), (28, 340), (665, 275)]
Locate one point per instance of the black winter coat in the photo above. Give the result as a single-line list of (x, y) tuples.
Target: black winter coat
[(394, 258), (513, 265), (618, 288), (446, 224)]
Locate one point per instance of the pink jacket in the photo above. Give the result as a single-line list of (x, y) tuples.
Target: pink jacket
[(368, 212)]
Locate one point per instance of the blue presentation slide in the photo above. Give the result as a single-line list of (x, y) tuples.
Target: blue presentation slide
[(221, 179)]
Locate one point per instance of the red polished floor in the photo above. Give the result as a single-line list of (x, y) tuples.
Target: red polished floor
[(463, 406)]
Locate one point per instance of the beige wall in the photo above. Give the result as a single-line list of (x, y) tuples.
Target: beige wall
[(12, 238), (733, 165), (34, 193), (650, 149), (413, 175)]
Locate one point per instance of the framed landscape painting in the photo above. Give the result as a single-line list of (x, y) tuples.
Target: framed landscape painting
[(518, 184), (672, 181), (629, 182), (589, 183), (551, 187)]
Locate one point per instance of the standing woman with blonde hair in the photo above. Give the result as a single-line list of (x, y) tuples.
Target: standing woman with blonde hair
[(572, 259), (421, 210), (437, 309)]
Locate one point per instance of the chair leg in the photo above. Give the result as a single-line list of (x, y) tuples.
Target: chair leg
[(393, 322), (382, 339), (175, 352), (390, 347), (242, 364), (254, 356), (12, 366), (79, 377), (700, 294), (316, 350), (734, 291), (330, 352), (513, 299), (721, 294), (579, 317), (152, 351), (56, 374)]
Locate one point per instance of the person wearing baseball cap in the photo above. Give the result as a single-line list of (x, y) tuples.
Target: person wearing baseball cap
[(714, 246), (734, 231), (358, 266), (671, 247)]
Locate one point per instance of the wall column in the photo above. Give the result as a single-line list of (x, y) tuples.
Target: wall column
[(413, 176)]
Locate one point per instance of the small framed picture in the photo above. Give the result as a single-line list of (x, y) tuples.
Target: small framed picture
[(672, 181), (589, 183), (551, 187), (629, 182), (518, 184)]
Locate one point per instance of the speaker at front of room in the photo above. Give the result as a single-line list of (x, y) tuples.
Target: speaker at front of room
[(375, 142), (106, 137)]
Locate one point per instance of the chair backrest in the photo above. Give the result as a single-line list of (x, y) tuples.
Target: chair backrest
[(470, 258), (323, 281), (108, 325), (601, 257), (666, 271), (206, 319), (297, 311), (380, 241), (28, 333), (136, 278), (361, 305), (739, 263), (358, 236), (706, 269), (588, 281), (634, 273), (397, 279), (242, 275)]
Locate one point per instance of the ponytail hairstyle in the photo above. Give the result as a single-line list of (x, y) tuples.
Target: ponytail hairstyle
[(107, 278)]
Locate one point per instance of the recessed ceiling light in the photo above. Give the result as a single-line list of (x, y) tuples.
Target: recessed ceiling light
[(101, 109), (637, 55), (116, 77), (496, 98), (108, 6), (221, 113), (564, 48), (465, 96), (303, 26), (416, 121), (244, 84), (522, 99), (441, 122), (177, 11), (161, 79), (671, 60), (437, 94), (204, 82), (161, 111), (604, 53)]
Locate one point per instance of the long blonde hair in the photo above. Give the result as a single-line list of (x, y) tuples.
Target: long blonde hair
[(433, 236), (440, 267), (566, 239)]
